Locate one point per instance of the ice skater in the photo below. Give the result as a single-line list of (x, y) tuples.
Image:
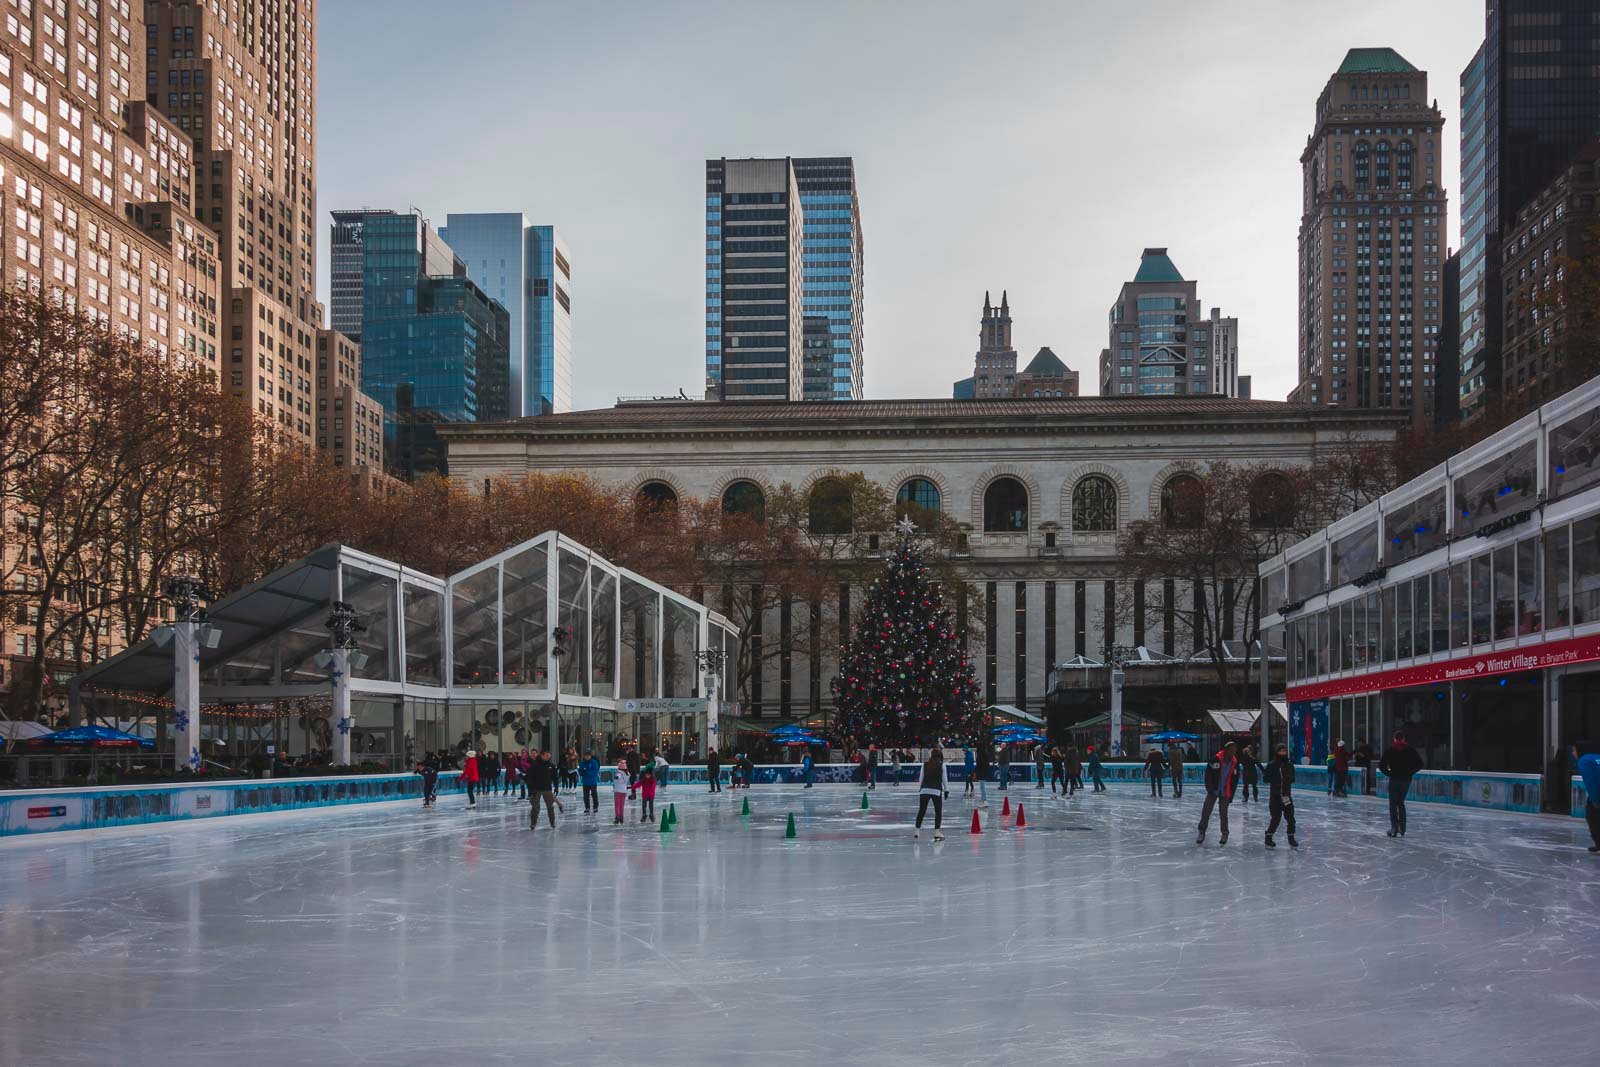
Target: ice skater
[(619, 791), (429, 769), (1005, 767), (932, 785), (1038, 766), (1176, 765), (1280, 776), (1400, 762), (894, 766), (663, 773), (969, 767), (469, 774), (1365, 760), (542, 783), (589, 774), (634, 763), (1222, 775), (647, 792), (1155, 768), (1074, 770), (872, 766), (1341, 770), (1250, 771), (1058, 770), (984, 760), (714, 771), (1095, 770), (806, 766), (1588, 767)]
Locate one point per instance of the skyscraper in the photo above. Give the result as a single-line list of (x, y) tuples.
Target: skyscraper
[(1371, 240), (1530, 99), (783, 279), (527, 269), (994, 373), (1149, 349), (1215, 340)]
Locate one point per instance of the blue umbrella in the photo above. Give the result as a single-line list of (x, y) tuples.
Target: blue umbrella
[(1173, 735), (96, 736)]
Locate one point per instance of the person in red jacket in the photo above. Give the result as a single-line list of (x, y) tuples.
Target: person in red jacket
[(1341, 770), (469, 774)]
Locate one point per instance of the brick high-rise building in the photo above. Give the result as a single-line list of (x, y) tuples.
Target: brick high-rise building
[(1159, 343), (240, 79), (995, 365), (1372, 233)]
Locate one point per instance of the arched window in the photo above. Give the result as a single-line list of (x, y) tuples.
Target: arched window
[(654, 496), (831, 509), (1005, 506), (915, 496), (1362, 160), (1182, 502), (745, 498), (1094, 505), (1272, 502)]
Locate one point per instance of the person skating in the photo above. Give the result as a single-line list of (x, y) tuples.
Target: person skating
[(1074, 770), (1365, 760), (1005, 768), (747, 770), (620, 782), (469, 774), (714, 771), (1175, 764), (542, 782), (1400, 762), (635, 761), (589, 773), (1095, 770), (647, 792), (429, 769), (1588, 768), (1155, 768), (1038, 765), (1341, 770), (1280, 804), (982, 774), (931, 785), (1222, 777), (1058, 770), (663, 773), (895, 758), (872, 766), (1250, 770), (969, 768), (806, 766)]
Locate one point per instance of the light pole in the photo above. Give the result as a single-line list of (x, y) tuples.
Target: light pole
[(1117, 659), (343, 626), (712, 661)]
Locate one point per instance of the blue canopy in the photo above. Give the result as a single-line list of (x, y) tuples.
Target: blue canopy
[(93, 735), (1173, 735)]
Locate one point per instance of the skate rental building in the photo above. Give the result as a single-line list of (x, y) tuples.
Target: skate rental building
[(546, 644), (1463, 607)]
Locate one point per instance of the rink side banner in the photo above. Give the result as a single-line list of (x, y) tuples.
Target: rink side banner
[(1462, 668)]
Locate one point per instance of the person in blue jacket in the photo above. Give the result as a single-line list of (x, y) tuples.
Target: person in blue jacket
[(969, 765), (1589, 770), (805, 769), (589, 774)]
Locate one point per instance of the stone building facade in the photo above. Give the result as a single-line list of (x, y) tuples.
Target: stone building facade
[(1040, 488)]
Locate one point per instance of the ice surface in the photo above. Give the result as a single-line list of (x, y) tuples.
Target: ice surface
[(1100, 933)]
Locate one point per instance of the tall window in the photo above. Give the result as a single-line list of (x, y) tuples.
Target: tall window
[(1094, 505), (745, 498), (831, 509), (1005, 506), (919, 499), (655, 496), (1272, 502), (1182, 502)]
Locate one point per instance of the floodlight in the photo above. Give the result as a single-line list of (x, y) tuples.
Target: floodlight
[(162, 636)]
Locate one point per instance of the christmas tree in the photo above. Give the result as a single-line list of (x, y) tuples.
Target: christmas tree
[(904, 677)]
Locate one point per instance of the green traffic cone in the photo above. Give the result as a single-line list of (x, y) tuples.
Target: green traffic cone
[(672, 813), (864, 804), (666, 823), (789, 834), (746, 810)]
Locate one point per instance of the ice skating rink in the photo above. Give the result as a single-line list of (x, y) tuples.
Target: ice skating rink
[(1097, 934)]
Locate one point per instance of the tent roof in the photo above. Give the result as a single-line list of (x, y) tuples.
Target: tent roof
[(21, 731), (1016, 714)]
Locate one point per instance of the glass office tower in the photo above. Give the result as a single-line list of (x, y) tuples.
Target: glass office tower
[(831, 259), (528, 270)]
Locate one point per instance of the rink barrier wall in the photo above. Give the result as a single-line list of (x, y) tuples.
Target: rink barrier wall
[(34, 811)]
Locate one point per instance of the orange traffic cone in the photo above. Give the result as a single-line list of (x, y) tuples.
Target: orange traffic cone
[(976, 828), (1022, 820), (1005, 809)]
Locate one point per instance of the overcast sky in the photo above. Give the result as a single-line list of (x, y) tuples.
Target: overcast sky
[(1035, 147)]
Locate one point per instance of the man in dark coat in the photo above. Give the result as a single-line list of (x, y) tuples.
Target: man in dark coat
[(1280, 776), (1365, 760), (714, 771), (1176, 764), (1222, 777), (1155, 768), (542, 786), (1401, 763), (634, 763), (1249, 768)]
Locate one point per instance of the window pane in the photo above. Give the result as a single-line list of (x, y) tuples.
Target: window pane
[(1402, 618), (472, 628), (526, 629), (1419, 613), (1374, 629), (424, 622), (1529, 615), (372, 596), (679, 641), (1575, 454), (1586, 570), (1501, 486), (1479, 599), (572, 591), (1416, 527), (1505, 592), (1389, 633), (641, 612), (1558, 574), (1441, 610), (603, 635), (1355, 554)]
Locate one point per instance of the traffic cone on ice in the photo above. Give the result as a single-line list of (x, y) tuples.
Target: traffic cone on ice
[(864, 804), (672, 814), (1005, 809), (789, 834), (666, 823), (977, 828), (746, 810), (1022, 820)]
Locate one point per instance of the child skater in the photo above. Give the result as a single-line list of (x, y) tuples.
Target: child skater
[(619, 791), (647, 792)]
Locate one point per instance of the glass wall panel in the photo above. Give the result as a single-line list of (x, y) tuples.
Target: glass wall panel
[(1505, 592), (1440, 617), (1390, 645), (679, 641), (298, 650), (1558, 574), (1586, 569), (526, 628), (1402, 620), (1530, 616), (1277, 590), (1500, 486), (603, 631), (1374, 630), (1355, 554), (372, 596), (424, 622), (1348, 611), (1479, 596), (641, 615), (474, 621), (1415, 527), (1335, 638), (1306, 577), (1460, 631), (730, 679), (1419, 614), (1574, 449), (1358, 632), (572, 591)]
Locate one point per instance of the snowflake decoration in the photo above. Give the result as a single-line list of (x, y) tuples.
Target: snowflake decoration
[(180, 719), (345, 724), (906, 526), (194, 759)]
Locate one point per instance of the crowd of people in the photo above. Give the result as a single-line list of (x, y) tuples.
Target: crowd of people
[(1233, 773)]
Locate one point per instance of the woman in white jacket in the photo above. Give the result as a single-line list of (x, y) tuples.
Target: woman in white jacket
[(931, 785)]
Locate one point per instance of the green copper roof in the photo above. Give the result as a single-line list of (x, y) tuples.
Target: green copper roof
[(1154, 266), (1375, 61), (1046, 365)]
